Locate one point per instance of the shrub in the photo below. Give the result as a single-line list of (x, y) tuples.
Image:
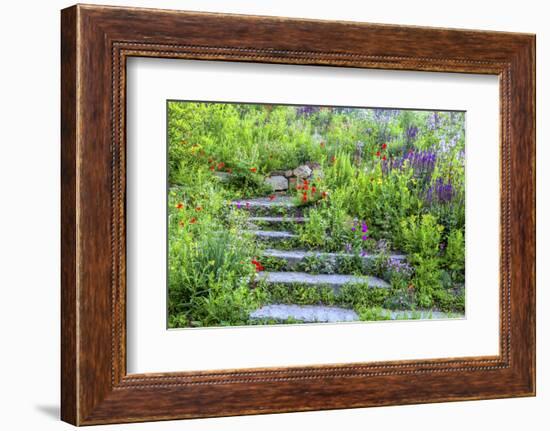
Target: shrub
[(421, 240)]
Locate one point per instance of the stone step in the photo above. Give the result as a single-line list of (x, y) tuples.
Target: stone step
[(277, 219), (272, 235), (325, 313), (334, 281), (304, 313), (265, 205), (294, 257)]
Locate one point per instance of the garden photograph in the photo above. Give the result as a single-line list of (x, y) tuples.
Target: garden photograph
[(287, 214)]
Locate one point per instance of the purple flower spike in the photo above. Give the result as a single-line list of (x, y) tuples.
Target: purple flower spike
[(364, 228)]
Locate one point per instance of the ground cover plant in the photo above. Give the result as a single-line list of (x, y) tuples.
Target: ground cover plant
[(353, 212)]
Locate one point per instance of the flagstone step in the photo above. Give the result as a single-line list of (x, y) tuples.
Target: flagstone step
[(332, 314), (272, 235), (294, 257), (277, 219), (334, 281), (304, 313), (267, 206)]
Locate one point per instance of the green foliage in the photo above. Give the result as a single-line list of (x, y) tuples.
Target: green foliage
[(455, 255), (383, 200), (318, 264), (325, 228), (421, 240)]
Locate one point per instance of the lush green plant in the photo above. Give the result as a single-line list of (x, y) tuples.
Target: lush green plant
[(421, 240), (455, 255)]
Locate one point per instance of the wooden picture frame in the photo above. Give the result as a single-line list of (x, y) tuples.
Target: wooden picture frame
[(95, 43)]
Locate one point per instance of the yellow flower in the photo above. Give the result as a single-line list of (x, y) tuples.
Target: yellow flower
[(379, 180)]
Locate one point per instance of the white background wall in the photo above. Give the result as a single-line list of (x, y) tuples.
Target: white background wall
[(29, 214)]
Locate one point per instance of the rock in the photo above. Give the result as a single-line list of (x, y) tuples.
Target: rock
[(277, 182), (289, 173), (303, 171), (313, 165)]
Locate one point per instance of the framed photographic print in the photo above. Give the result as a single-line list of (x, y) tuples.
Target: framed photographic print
[(264, 215)]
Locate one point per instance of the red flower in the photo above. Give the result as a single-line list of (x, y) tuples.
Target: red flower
[(199, 208), (212, 167), (378, 154), (271, 197), (304, 197), (258, 265), (384, 146), (253, 169), (179, 206), (333, 159), (306, 187), (210, 160), (182, 223), (384, 158), (306, 182), (193, 220), (313, 189), (221, 165), (324, 195)]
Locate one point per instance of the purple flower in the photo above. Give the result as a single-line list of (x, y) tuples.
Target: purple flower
[(238, 205), (433, 121), (353, 229), (364, 227), (412, 131), (363, 253), (399, 266), (364, 237), (440, 192), (306, 110)]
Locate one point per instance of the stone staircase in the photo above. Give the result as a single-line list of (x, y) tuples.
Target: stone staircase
[(273, 222)]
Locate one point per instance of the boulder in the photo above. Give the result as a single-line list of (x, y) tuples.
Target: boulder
[(277, 182), (302, 171)]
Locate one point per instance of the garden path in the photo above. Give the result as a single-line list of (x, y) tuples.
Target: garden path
[(274, 221)]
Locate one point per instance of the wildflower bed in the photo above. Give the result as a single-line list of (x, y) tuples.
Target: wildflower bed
[(382, 213)]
